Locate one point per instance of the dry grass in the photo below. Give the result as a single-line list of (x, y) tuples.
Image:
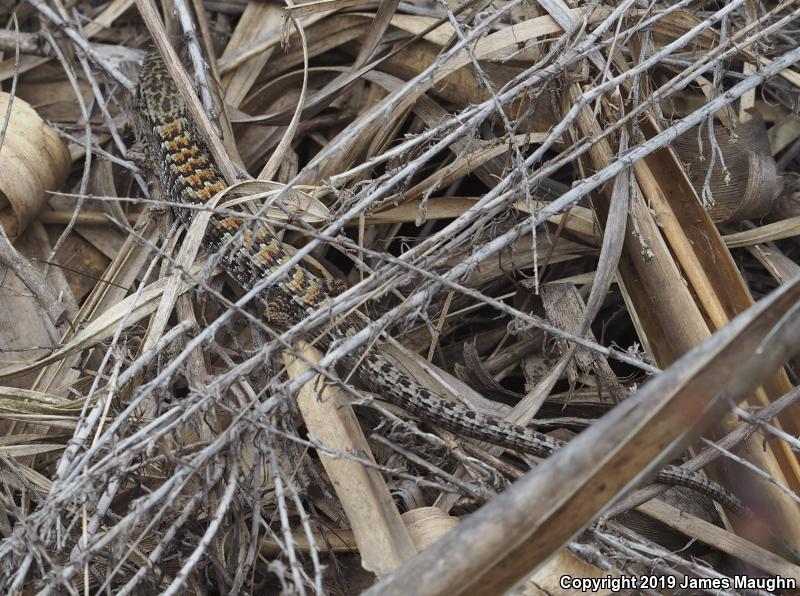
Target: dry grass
[(558, 212)]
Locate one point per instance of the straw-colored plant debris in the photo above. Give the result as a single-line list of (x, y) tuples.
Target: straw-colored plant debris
[(576, 216)]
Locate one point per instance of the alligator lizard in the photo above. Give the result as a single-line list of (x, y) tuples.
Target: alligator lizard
[(187, 174)]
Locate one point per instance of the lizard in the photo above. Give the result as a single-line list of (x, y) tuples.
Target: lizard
[(187, 174)]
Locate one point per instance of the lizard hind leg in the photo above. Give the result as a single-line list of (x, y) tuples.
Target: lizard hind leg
[(334, 287), (281, 312), (278, 310)]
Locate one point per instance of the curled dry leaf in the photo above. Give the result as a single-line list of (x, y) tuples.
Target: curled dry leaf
[(300, 203), (743, 182), (33, 161), (475, 373), (427, 524)]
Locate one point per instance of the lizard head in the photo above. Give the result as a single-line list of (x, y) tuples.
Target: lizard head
[(157, 98)]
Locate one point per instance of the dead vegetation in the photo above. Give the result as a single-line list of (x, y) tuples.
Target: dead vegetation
[(559, 212)]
